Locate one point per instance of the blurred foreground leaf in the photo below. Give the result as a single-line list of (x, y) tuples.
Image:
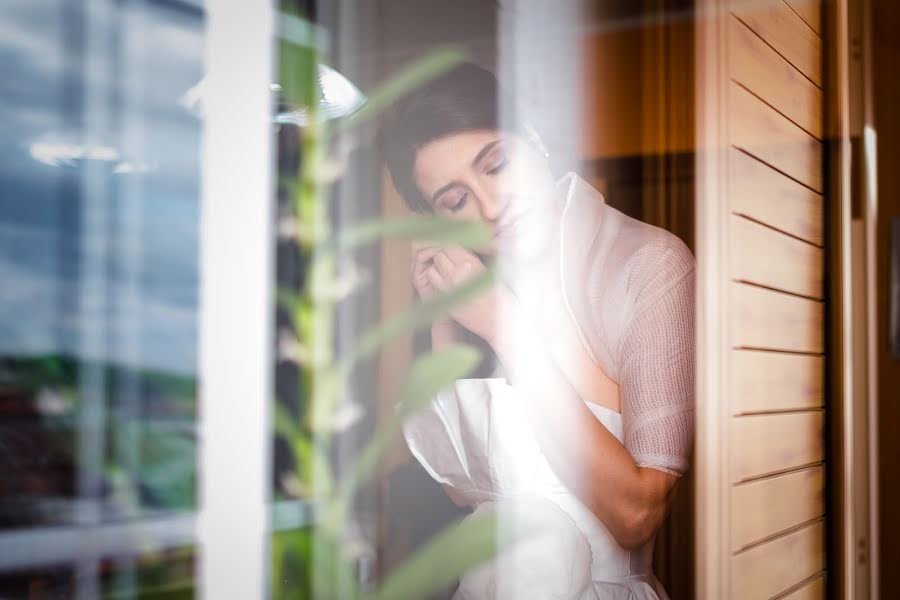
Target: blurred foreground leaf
[(409, 78), (440, 230), (456, 550), (419, 315), (428, 376)]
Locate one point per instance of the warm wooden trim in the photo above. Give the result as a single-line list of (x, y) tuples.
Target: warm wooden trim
[(763, 194), (814, 589), (766, 507), (759, 68), (770, 320), (713, 566), (762, 131), (772, 259), (776, 566), (775, 381), (786, 32), (767, 444), (841, 535), (810, 11)]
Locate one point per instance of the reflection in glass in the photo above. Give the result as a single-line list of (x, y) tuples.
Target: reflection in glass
[(99, 164)]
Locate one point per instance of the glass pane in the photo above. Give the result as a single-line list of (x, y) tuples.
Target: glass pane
[(98, 255), (165, 574), (471, 196)]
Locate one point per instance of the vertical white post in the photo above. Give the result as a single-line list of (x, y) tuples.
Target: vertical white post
[(236, 301)]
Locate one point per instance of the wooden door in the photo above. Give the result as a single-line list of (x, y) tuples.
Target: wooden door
[(761, 246)]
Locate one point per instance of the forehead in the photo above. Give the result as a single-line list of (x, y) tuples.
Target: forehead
[(449, 157)]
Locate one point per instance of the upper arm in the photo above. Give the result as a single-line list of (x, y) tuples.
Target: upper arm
[(657, 359)]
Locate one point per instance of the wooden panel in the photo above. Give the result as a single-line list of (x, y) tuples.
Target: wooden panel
[(811, 590), (771, 320), (767, 507), (756, 66), (761, 131), (767, 257), (886, 98), (772, 381), (786, 32), (766, 444), (768, 569), (810, 11), (764, 194)]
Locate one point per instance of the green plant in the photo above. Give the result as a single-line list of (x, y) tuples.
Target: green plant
[(311, 562)]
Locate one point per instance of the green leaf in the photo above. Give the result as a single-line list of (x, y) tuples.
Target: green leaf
[(285, 424), (455, 550), (433, 372), (421, 314), (409, 78), (427, 376), (440, 230)]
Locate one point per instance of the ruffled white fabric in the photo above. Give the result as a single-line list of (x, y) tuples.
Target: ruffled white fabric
[(475, 439)]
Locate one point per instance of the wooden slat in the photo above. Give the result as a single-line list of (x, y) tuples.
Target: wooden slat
[(756, 66), (810, 11), (767, 257), (766, 444), (764, 194), (785, 31), (760, 130), (772, 381), (774, 567), (770, 320), (811, 590), (767, 507)]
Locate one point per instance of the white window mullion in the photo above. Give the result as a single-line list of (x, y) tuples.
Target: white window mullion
[(236, 301)]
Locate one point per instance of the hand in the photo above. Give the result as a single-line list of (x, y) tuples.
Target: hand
[(422, 260), (442, 269)]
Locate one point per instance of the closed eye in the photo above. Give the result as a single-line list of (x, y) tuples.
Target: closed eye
[(453, 201), (459, 203), (500, 166), (495, 161)]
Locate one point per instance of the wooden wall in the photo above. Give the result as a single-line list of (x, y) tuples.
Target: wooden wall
[(886, 91), (769, 118)]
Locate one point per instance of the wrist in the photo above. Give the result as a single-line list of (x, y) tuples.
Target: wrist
[(513, 326), (443, 333)]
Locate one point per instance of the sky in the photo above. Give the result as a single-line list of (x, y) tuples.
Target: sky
[(100, 182)]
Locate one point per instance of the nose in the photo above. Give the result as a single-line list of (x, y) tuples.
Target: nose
[(493, 205)]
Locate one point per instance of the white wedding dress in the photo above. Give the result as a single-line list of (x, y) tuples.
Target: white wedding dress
[(629, 288), (476, 439)]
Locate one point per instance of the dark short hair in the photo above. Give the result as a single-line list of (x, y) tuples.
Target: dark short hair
[(466, 98)]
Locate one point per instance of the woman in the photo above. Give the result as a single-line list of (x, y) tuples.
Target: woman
[(593, 328)]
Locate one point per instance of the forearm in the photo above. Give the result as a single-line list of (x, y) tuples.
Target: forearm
[(443, 333), (585, 455)]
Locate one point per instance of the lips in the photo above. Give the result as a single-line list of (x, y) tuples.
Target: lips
[(507, 228)]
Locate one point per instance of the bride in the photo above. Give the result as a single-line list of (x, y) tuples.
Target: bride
[(589, 411)]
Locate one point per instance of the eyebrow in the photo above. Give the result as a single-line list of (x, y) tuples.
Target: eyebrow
[(481, 154)]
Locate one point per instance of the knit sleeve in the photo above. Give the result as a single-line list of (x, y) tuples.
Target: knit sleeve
[(656, 356)]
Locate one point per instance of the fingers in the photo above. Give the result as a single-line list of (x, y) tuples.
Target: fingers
[(440, 268), (457, 265), (421, 260), (444, 265), (422, 257), (436, 279)]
